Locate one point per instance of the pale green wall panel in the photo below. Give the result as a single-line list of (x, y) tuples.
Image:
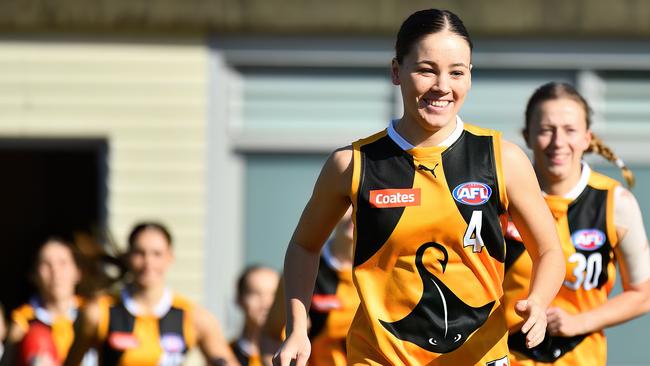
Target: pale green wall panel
[(315, 98), (277, 189), (498, 97)]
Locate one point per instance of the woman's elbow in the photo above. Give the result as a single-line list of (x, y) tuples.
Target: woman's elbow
[(645, 304)]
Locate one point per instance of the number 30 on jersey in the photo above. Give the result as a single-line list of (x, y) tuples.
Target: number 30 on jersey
[(586, 272)]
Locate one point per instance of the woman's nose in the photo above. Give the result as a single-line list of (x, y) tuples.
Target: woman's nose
[(441, 85)]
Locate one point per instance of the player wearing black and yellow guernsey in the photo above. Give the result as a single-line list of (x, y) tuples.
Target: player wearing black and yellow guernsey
[(130, 336), (147, 324), (427, 194), (256, 288), (333, 302), (42, 330), (599, 224)]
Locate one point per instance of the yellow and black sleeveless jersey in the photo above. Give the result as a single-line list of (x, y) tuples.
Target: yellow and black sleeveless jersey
[(129, 338), (61, 327), (333, 305), (241, 349), (429, 251), (585, 223)]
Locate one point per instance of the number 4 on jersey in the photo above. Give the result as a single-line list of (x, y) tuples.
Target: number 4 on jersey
[(473, 233)]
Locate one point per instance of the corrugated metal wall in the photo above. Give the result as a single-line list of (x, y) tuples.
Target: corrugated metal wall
[(149, 101)]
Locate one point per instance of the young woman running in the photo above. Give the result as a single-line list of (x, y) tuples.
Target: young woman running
[(429, 193), (599, 223)]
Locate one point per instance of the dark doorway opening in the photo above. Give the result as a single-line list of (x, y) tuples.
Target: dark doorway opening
[(47, 187)]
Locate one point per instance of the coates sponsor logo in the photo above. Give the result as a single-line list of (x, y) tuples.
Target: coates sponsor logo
[(325, 303), (588, 239), (472, 193), (384, 198), (122, 341), (172, 343)]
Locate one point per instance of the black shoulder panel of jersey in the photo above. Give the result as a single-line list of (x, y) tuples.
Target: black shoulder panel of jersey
[(384, 165), (550, 350), (471, 159), (514, 250), (241, 356), (588, 212), (172, 323), (119, 320), (327, 282)]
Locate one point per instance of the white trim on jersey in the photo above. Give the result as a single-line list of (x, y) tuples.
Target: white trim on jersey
[(162, 308), (581, 185), (405, 145)]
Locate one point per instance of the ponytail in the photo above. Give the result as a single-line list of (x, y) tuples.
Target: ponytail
[(597, 146)]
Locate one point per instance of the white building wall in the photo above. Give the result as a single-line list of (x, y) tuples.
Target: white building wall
[(149, 101)]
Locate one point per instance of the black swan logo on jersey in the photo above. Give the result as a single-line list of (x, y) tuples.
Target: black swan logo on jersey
[(440, 322)]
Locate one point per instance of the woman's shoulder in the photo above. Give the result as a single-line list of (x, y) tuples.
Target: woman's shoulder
[(182, 302), (22, 315), (368, 139), (480, 131), (601, 181)]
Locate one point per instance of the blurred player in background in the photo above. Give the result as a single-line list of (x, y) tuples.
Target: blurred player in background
[(599, 223), (333, 303), (147, 323), (42, 330), (256, 288)]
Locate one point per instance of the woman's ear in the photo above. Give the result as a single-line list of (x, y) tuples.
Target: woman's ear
[(394, 72), (589, 136)]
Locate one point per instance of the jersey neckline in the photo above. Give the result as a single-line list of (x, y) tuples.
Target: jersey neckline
[(162, 308), (417, 151), (45, 316), (575, 192)]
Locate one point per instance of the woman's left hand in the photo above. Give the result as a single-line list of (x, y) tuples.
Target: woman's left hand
[(561, 323), (535, 321)]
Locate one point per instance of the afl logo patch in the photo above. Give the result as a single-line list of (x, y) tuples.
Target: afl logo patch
[(472, 193), (588, 239), (172, 343)]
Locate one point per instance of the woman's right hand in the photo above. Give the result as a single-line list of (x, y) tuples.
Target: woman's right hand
[(295, 350)]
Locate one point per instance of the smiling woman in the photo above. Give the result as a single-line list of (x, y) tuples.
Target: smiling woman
[(429, 194), (148, 323), (600, 225)]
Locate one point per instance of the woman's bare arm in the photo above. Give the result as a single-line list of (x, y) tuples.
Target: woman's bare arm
[(535, 223), (211, 341), (329, 201)]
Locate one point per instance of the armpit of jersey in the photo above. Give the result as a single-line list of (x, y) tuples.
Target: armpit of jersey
[(632, 251), (440, 322)]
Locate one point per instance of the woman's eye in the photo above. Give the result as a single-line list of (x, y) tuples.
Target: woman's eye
[(457, 73)]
